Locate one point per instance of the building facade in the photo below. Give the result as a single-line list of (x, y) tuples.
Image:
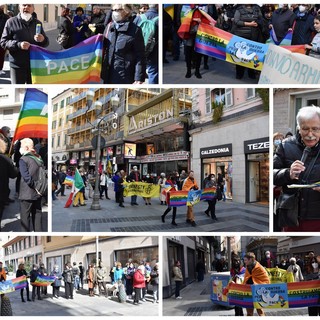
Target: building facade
[(234, 144)]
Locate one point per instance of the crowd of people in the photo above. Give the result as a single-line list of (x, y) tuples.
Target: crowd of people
[(296, 161), (22, 162), (183, 181), (130, 40), (249, 21), (137, 280)]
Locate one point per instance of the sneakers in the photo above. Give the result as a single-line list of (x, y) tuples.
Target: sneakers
[(178, 298), (193, 223), (144, 300)]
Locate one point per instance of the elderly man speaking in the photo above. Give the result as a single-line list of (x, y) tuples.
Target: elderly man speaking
[(297, 161)]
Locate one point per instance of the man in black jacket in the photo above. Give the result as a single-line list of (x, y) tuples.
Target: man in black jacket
[(289, 169), (19, 33), (97, 19), (30, 199)]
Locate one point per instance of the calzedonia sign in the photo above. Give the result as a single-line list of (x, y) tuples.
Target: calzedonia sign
[(216, 151), (257, 145)]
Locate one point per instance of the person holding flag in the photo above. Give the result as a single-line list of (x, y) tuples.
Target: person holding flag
[(76, 194)]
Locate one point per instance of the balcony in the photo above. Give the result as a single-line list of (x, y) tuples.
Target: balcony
[(79, 128)]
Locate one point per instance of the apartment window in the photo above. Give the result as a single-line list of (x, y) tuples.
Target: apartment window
[(208, 102), (45, 12), (229, 97), (65, 140), (60, 122), (61, 104), (218, 96), (55, 107), (54, 124), (68, 100), (58, 142), (251, 93), (8, 114), (52, 143)]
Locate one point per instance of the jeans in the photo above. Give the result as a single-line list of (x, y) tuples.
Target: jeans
[(155, 292), (153, 73), (178, 286), (76, 282)]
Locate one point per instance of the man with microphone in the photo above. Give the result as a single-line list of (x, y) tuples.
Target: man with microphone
[(297, 161)]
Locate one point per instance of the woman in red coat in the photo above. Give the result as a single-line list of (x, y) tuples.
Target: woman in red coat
[(139, 282)]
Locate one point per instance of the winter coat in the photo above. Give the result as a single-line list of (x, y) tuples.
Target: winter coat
[(79, 21), (98, 20), (29, 169), (7, 170), (189, 184), (139, 279), (68, 29), (68, 275), (116, 186), (118, 274), (15, 31), (154, 276), (58, 277), (124, 60), (244, 14), (296, 271), (315, 51), (102, 274), (288, 151), (177, 274), (33, 275), (256, 275), (282, 21), (302, 33), (162, 183)]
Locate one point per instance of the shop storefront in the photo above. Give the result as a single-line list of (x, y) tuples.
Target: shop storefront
[(218, 160), (257, 170)]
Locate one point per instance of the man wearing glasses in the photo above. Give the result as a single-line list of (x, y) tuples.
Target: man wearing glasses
[(290, 166)]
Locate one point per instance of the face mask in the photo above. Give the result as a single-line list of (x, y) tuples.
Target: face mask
[(56, 269), (315, 265), (283, 263), (268, 256), (22, 151), (135, 169), (116, 16), (212, 179), (148, 176), (26, 16), (302, 8), (277, 142)]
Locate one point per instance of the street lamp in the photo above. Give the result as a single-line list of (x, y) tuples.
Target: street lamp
[(96, 128)]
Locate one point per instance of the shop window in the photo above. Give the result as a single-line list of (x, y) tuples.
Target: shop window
[(251, 93)]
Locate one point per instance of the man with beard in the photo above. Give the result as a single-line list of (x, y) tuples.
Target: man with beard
[(19, 33), (289, 169)]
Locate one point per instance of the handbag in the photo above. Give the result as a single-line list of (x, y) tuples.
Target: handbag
[(62, 39), (288, 209)]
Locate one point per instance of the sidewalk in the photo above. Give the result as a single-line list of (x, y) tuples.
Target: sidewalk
[(232, 217), (81, 305), (196, 302)]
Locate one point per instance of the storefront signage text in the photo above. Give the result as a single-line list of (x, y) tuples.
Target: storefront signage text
[(257, 145), (170, 156), (148, 121), (216, 151)]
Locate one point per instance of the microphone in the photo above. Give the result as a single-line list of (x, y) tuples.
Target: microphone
[(305, 154)]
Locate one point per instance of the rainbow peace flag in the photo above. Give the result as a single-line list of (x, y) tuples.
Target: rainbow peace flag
[(167, 188), (80, 64), (178, 198), (43, 281), (20, 282), (286, 41), (68, 181), (33, 117), (209, 193)]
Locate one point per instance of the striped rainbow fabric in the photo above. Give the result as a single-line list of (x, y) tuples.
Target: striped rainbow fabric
[(68, 181), (43, 281), (20, 282), (80, 64), (178, 198), (286, 41), (33, 117), (209, 193)]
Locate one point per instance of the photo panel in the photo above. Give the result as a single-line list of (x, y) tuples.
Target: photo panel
[(106, 276), (145, 160), (79, 44), (219, 275), (24, 159), (296, 136), (240, 44)]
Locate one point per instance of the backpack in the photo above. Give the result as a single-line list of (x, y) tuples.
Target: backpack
[(41, 185), (148, 27)]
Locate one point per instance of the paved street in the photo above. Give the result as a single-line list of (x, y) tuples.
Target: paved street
[(196, 302), (11, 214), (232, 217), (219, 72), (53, 45), (81, 305)]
